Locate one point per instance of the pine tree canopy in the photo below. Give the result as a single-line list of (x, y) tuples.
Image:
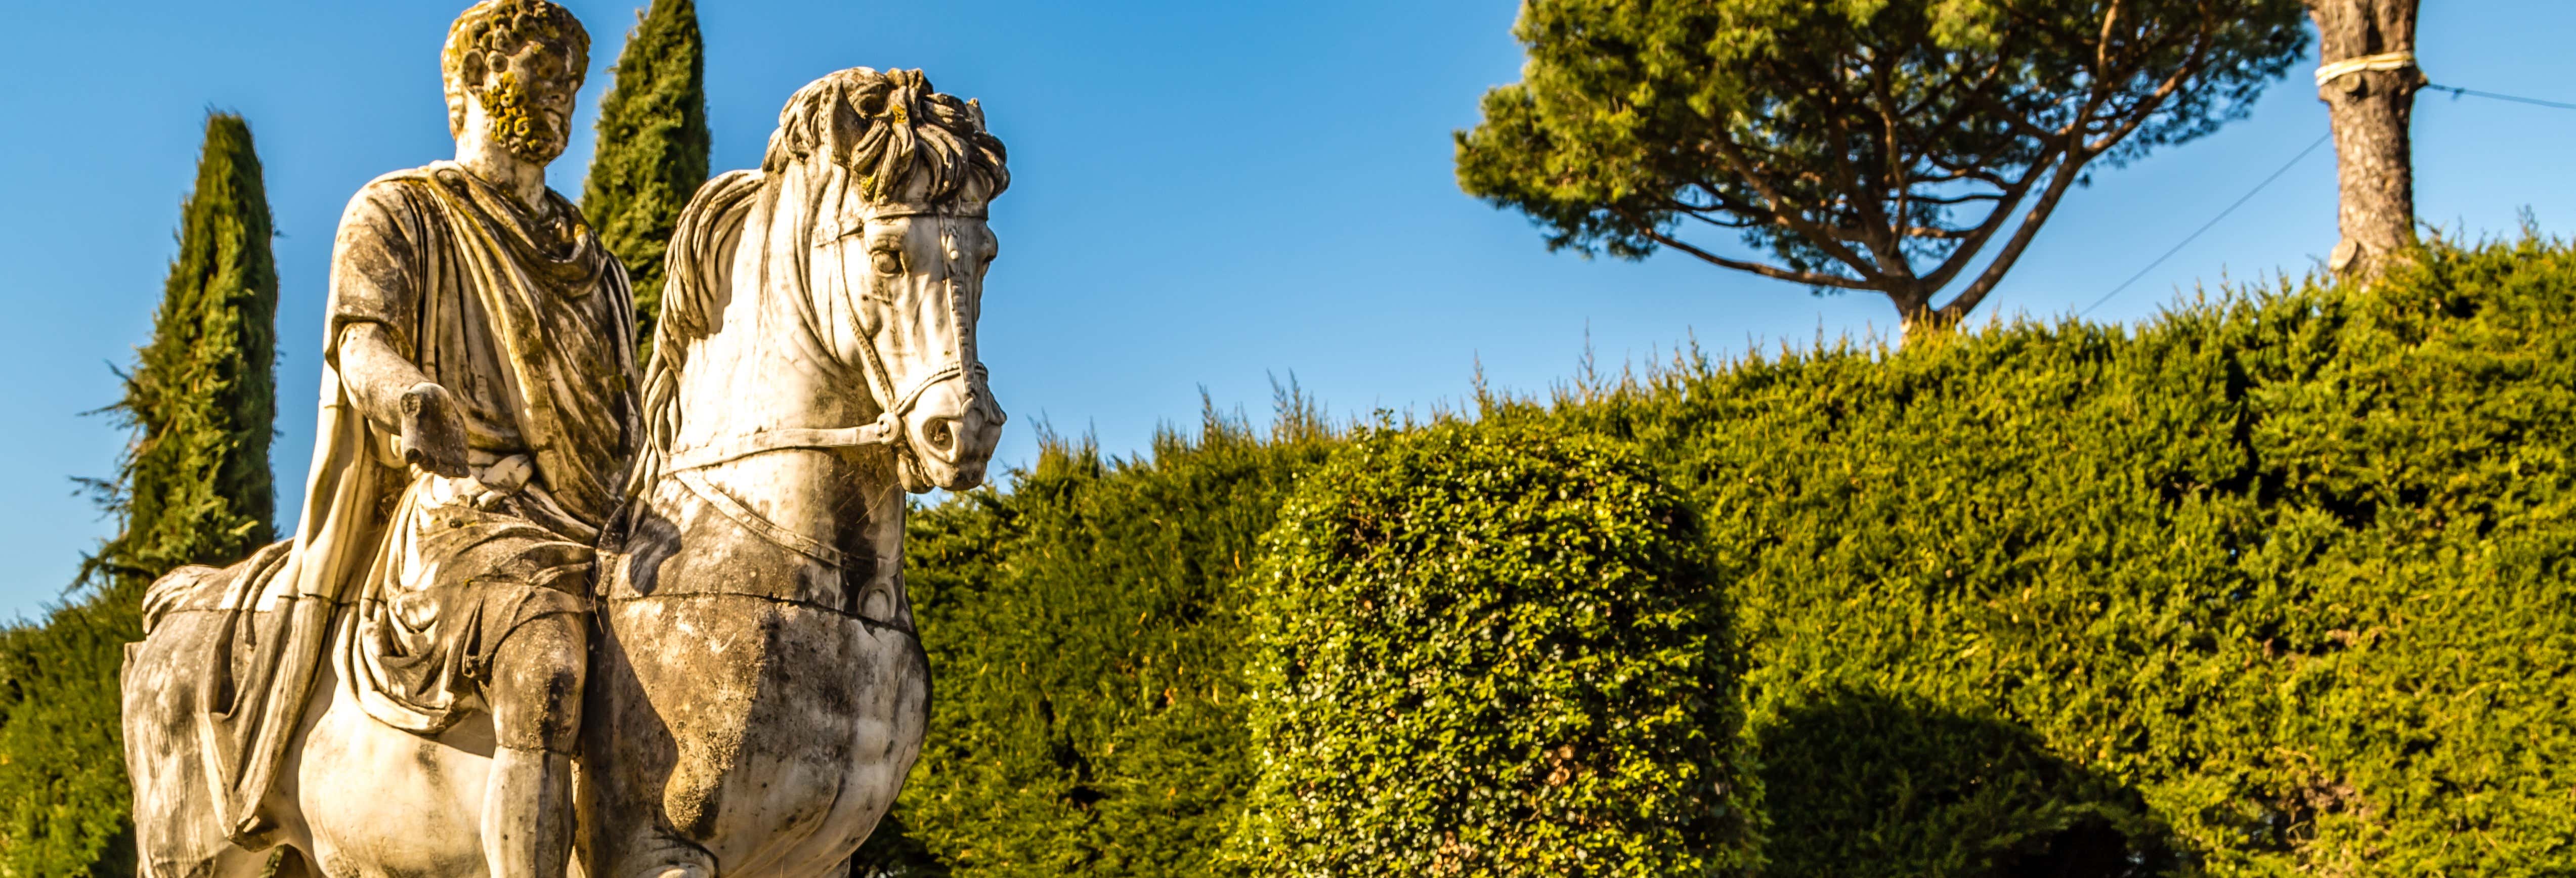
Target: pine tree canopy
[(1861, 144), (194, 488), (652, 151)]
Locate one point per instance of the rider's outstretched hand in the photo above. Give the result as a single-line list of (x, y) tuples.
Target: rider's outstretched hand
[(433, 431)]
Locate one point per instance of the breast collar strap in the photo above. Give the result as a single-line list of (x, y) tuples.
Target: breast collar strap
[(724, 504)]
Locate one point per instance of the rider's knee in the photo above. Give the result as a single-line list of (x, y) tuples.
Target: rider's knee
[(535, 691)]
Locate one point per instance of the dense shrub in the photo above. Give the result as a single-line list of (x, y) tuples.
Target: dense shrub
[(61, 772), (2274, 584), (1490, 652), (1086, 716), (2278, 583)]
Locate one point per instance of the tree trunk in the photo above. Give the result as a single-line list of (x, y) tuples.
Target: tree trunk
[(1915, 318), (2371, 108)]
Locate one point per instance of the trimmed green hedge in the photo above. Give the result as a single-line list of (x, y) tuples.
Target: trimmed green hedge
[(1086, 713), (1490, 652), (2275, 584), (2278, 583), (64, 802)]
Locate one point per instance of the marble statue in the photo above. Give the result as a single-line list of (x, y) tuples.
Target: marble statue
[(547, 613), (758, 693)]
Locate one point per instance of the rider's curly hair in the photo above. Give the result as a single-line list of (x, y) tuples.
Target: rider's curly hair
[(501, 27), (890, 128)]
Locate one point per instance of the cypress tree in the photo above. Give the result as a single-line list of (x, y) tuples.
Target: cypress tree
[(652, 148), (194, 488), (203, 395)]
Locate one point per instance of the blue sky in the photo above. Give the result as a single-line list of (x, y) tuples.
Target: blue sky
[(1204, 196)]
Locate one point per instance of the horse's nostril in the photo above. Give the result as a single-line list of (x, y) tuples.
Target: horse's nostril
[(938, 434)]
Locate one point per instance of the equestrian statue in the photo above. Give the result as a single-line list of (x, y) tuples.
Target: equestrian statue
[(548, 613)]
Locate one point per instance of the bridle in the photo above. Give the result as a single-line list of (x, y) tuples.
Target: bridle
[(887, 429)]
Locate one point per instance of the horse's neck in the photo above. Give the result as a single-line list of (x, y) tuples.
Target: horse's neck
[(760, 365), (759, 372), (762, 369)]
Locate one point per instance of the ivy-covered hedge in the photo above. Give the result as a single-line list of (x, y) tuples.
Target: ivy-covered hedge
[(1490, 652), (2277, 583)]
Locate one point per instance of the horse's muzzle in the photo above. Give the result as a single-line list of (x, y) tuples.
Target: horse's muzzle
[(952, 431)]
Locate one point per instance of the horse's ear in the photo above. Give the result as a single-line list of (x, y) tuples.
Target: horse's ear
[(795, 137), (819, 119), (842, 125)]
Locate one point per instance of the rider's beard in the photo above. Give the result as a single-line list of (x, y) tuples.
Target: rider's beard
[(531, 137)]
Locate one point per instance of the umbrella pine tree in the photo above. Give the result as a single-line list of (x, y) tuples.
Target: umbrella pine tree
[(2367, 78), (1911, 149)]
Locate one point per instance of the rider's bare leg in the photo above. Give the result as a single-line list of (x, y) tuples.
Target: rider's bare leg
[(535, 696)]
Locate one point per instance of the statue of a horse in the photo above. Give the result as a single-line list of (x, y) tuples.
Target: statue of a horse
[(757, 694)]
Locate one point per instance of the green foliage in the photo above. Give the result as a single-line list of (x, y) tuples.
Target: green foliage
[(1491, 652), (1085, 629), (1864, 144), (652, 152), (2276, 584), (894, 850), (194, 488), (1874, 784), (64, 804)]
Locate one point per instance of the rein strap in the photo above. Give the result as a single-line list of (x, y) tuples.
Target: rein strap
[(884, 431)]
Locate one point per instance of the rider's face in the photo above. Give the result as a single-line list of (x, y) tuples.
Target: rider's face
[(527, 97)]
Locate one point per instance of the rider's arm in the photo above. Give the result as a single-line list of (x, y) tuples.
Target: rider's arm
[(401, 400), (375, 296)]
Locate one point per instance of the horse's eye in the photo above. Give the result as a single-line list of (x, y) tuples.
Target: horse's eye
[(889, 262)]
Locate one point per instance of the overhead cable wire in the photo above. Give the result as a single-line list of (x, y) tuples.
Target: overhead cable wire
[(2456, 91), (2213, 223)]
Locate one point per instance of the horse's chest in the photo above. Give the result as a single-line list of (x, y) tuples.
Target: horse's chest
[(740, 708), (762, 728)]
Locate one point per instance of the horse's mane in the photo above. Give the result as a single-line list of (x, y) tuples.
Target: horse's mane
[(888, 130)]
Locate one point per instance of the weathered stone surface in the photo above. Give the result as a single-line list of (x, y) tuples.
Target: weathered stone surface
[(409, 685), (759, 693)]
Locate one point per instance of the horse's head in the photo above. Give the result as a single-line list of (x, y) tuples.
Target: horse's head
[(899, 176)]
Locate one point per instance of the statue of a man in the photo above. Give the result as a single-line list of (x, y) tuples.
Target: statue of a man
[(478, 417), (476, 319)]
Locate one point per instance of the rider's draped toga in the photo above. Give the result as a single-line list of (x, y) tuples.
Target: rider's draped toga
[(526, 321)]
